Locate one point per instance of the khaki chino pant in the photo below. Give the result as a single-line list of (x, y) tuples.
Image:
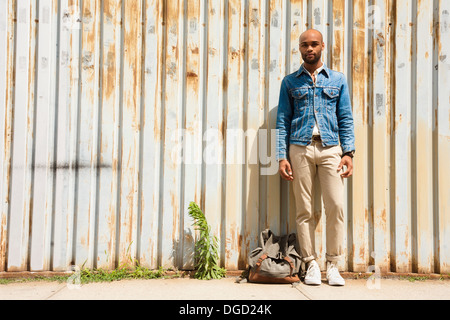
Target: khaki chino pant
[(306, 162)]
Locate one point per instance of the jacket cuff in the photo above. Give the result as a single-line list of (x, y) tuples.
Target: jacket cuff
[(281, 156), (347, 148)]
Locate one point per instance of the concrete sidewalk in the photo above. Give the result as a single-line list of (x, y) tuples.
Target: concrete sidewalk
[(227, 289)]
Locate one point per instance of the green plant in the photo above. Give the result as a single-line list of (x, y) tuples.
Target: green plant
[(100, 275), (120, 273), (206, 247), (417, 278)]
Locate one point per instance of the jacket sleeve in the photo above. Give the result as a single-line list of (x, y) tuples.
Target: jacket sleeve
[(345, 119), (284, 118)]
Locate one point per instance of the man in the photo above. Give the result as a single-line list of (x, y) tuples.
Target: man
[(315, 135)]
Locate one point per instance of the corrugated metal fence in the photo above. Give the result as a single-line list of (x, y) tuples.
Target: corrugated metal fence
[(116, 114)]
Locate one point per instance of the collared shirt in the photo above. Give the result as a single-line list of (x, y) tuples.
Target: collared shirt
[(302, 103), (316, 131), (315, 73)]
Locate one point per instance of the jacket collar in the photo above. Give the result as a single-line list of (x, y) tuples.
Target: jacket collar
[(302, 69)]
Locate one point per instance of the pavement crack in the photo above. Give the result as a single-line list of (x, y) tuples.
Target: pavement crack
[(303, 292), (56, 292)]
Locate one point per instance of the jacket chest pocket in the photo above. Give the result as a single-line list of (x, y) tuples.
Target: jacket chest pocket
[(330, 97), (300, 96)]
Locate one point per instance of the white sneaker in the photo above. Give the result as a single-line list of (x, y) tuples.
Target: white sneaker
[(333, 276), (313, 276)]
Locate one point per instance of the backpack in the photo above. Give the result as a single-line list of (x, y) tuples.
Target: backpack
[(276, 261)]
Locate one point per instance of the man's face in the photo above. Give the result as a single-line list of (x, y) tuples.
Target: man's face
[(311, 47)]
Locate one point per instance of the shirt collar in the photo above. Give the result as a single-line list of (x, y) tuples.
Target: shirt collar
[(319, 70)]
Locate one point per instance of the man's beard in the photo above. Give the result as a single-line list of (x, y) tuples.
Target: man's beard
[(313, 60)]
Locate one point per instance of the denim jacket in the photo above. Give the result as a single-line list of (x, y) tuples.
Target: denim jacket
[(301, 103)]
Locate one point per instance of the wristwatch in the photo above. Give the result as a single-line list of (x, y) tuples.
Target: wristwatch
[(350, 154)]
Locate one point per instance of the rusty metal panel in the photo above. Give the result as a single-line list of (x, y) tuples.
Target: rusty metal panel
[(65, 165), (172, 123), (235, 12), (402, 132), (116, 114), (441, 138), (380, 135), (7, 91), (193, 122), (359, 209), (423, 136), (87, 148), (22, 136), (214, 121), (108, 151), (338, 58), (151, 135), (45, 112), (130, 119)]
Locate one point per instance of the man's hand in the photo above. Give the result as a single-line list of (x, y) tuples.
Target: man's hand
[(348, 162), (285, 170)]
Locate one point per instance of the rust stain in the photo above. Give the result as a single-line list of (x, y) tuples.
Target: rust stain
[(360, 60), (338, 11), (362, 253), (222, 130), (132, 53), (108, 10), (110, 79), (212, 52), (397, 122), (352, 252), (190, 74), (242, 254), (224, 81), (436, 121), (83, 241), (336, 62), (14, 269), (234, 53), (174, 203), (3, 243), (156, 125), (380, 39)]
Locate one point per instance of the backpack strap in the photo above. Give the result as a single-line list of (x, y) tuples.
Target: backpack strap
[(291, 264), (286, 258), (260, 260)]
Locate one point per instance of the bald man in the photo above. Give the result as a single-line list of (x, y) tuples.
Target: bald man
[(315, 136)]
